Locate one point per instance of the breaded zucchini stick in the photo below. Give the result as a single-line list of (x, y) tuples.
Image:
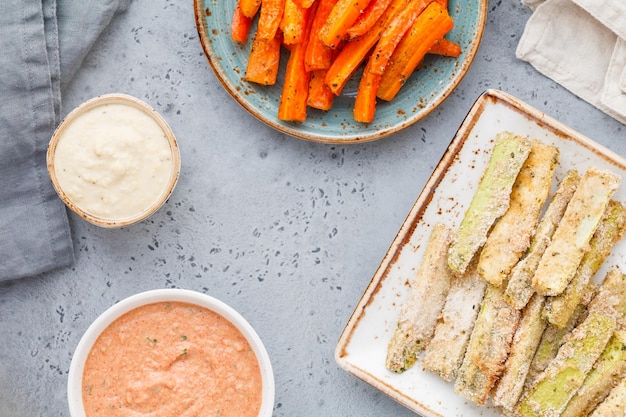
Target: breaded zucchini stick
[(527, 338), (612, 294), (607, 372), (488, 347), (568, 370), (551, 341), (510, 237), (615, 404), (576, 357), (571, 238), (560, 308), (419, 314), (519, 287), (445, 351), (491, 199)]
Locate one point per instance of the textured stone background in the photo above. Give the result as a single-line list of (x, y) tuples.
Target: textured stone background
[(286, 231)]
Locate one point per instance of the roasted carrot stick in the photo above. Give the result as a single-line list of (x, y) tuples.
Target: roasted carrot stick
[(270, 17), (365, 103), (355, 51), (432, 24), (368, 18), (292, 106), (249, 8), (240, 26), (393, 33), (445, 47), (264, 59), (320, 96), (318, 55), (304, 3), (293, 23), (342, 16)]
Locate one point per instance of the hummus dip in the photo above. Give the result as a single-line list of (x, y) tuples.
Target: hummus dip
[(171, 359)]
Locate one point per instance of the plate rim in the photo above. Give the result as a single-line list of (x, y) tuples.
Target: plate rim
[(368, 135)]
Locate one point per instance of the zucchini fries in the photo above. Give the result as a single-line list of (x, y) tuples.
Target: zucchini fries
[(444, 353), (509, 308), (491, 199), (571, 239), (488, 347), (419, 314), (512, 233), (519, 287)]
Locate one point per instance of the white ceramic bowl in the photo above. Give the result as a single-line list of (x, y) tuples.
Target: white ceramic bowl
[(75, 377), (113, 169)]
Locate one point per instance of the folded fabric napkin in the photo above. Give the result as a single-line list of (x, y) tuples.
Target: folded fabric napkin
[(581, 44), (42, 43)]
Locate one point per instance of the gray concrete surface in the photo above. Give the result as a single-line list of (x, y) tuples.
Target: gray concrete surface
[(286, 231)]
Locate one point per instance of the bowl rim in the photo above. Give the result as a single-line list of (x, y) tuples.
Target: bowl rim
[(86, 342), (104, 99)]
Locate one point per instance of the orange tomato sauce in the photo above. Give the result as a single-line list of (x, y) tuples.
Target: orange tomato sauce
[(171, 359)]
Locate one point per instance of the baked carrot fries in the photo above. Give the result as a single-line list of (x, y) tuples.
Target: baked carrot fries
[(330, 41)]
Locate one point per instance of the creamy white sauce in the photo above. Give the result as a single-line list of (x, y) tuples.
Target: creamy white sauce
[(113, 161)]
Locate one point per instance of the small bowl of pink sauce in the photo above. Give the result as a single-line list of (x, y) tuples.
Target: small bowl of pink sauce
[(170, 352)]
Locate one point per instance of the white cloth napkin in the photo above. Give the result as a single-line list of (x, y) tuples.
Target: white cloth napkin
[(581, 44)]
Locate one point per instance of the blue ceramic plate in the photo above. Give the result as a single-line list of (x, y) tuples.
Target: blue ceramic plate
[(425, 90)]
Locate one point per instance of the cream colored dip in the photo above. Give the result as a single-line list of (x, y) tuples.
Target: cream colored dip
[(113, 161), (171, 360)]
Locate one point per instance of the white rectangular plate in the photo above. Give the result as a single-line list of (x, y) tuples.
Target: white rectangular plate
[(362, 347)]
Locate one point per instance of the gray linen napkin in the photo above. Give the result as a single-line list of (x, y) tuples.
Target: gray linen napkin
[(42, 44)]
